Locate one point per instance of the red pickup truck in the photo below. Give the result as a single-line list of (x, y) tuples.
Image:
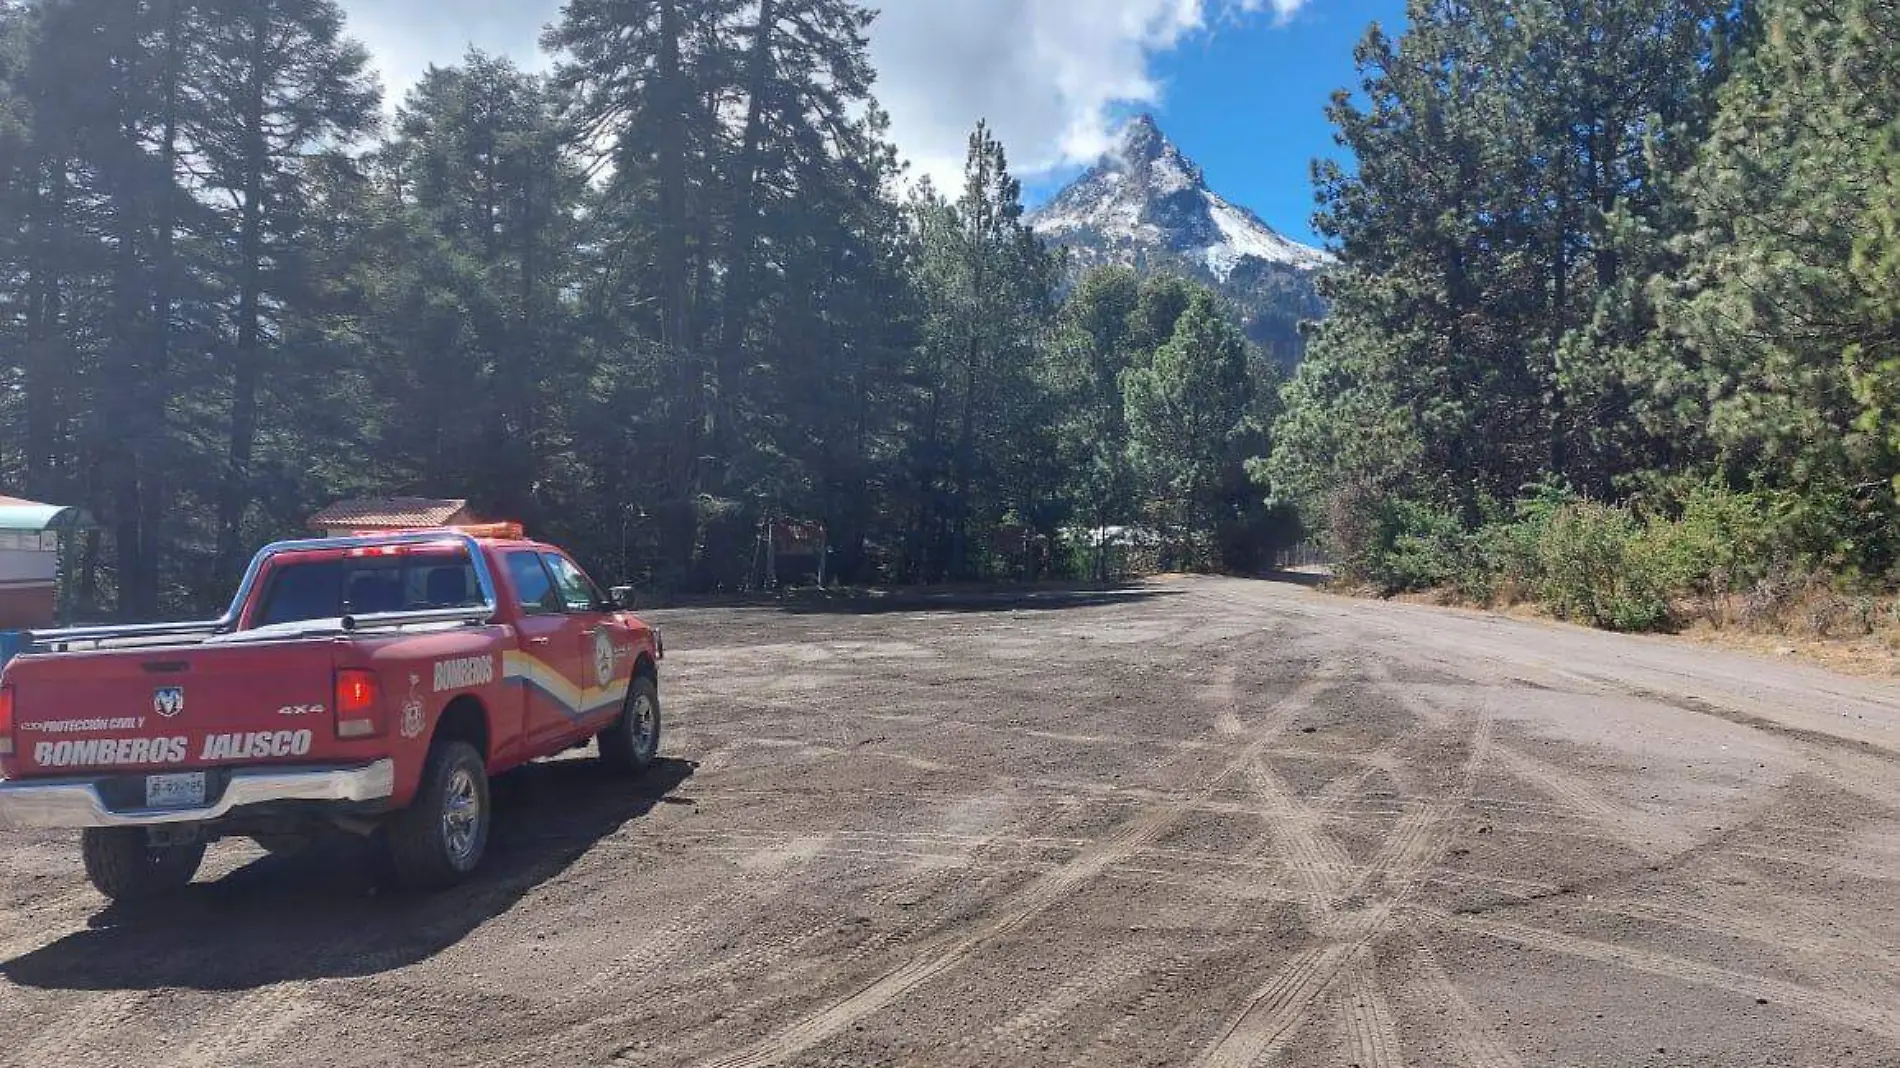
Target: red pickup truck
[(369, 683)]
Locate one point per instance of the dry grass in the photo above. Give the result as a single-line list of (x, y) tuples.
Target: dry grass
[(1802, 618), (1877, 656)]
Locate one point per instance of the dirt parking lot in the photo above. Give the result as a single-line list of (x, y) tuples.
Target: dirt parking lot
[(1204, 822)]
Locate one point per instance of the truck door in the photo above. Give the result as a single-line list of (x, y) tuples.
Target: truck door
[(548, 660), (601, 653)]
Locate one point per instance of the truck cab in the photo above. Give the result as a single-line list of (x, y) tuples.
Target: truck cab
[(373, 684)]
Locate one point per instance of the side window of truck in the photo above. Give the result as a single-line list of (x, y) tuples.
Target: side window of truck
[(534, 590), (577, 592)]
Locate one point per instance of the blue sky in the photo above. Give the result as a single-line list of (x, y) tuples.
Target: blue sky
[(1239, 84), (1247, 102)]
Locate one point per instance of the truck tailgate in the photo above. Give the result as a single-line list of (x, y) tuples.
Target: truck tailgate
[(132, 709)]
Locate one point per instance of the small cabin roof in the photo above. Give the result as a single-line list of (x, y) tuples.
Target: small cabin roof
[(390, 512)]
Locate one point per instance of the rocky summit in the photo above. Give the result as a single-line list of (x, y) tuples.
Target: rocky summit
[(1146, 205)]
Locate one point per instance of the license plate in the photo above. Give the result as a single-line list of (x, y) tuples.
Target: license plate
[(185, 790)]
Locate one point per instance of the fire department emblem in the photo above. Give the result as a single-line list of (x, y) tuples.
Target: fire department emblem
[(603, 658), (413, 719)]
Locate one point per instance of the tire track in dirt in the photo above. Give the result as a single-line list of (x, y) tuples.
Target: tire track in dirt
[(599, 1006), (1019, 1037), (1280, 1006), (1237, 889), (1856, 767), (1371, 1034), (1409, 848), (1320, 865), (1578, 798), (1108, 1049), (1424, 711), (1849, 963), (918, 896), (1477, 1044), (947, 952), (1278, 1009), (665, 942), (1224, 692), (68, 1033), (246, 1029), (989, 852), (1884, 1021), (1312, 857), (1726, 915)]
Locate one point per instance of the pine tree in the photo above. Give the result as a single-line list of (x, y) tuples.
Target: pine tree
[(646, 80), (95, 90), (841, 334), (989, 287), (733, 125), (281, 84), (1187, 425), (483, 204), (1091, 347), (1505, 205), (804, 68), (1781, 315)]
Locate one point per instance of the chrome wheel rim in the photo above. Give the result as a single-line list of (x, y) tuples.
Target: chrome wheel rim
[(643, 720), (461, 816)]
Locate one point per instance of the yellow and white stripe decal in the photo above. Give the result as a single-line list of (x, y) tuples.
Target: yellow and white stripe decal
[(519, 668)]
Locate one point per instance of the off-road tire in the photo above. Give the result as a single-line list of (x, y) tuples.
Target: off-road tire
[(426, 851), (632, 743), (123, 865)]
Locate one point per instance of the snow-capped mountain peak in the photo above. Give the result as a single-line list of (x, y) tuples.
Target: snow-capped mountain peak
[(1146, 195)]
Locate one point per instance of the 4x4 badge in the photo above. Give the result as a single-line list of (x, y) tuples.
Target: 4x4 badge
[(168, 701)]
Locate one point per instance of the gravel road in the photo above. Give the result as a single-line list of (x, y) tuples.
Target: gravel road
[(1202, 822)]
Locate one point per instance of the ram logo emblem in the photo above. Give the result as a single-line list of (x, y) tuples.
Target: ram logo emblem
[(168, 701)]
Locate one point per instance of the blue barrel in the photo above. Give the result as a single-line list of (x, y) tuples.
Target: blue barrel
[(11, 641)]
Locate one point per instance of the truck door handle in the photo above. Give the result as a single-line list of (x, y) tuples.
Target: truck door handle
[(540, 641)]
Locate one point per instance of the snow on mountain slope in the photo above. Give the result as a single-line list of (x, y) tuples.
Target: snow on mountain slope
[(1147, 197), (1243, 235)]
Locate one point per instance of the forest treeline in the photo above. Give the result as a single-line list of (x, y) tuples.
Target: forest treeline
[(675, 288), (1615, 318), (1617, 321)]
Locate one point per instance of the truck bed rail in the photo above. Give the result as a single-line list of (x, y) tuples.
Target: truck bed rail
[(41, 641)]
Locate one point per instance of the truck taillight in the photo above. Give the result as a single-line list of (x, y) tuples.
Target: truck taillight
[(6, 721), (359, 700)]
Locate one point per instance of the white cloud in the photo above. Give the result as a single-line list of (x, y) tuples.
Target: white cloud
[(1047, 74), (406, 36)]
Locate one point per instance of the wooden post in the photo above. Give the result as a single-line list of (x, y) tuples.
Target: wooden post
[(771, 552)]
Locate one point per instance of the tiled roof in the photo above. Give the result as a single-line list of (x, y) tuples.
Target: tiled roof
[(389, 512)]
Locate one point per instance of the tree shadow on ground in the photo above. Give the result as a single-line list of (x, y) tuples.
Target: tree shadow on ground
[(1018, 599), (1309, 579), (330, 913)]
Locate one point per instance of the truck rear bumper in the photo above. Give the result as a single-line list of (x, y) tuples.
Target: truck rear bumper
[(79, 802)]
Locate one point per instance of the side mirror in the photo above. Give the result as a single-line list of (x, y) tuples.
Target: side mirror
[(623, 597)]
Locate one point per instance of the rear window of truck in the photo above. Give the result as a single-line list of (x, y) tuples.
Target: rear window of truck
[(327, 589)]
